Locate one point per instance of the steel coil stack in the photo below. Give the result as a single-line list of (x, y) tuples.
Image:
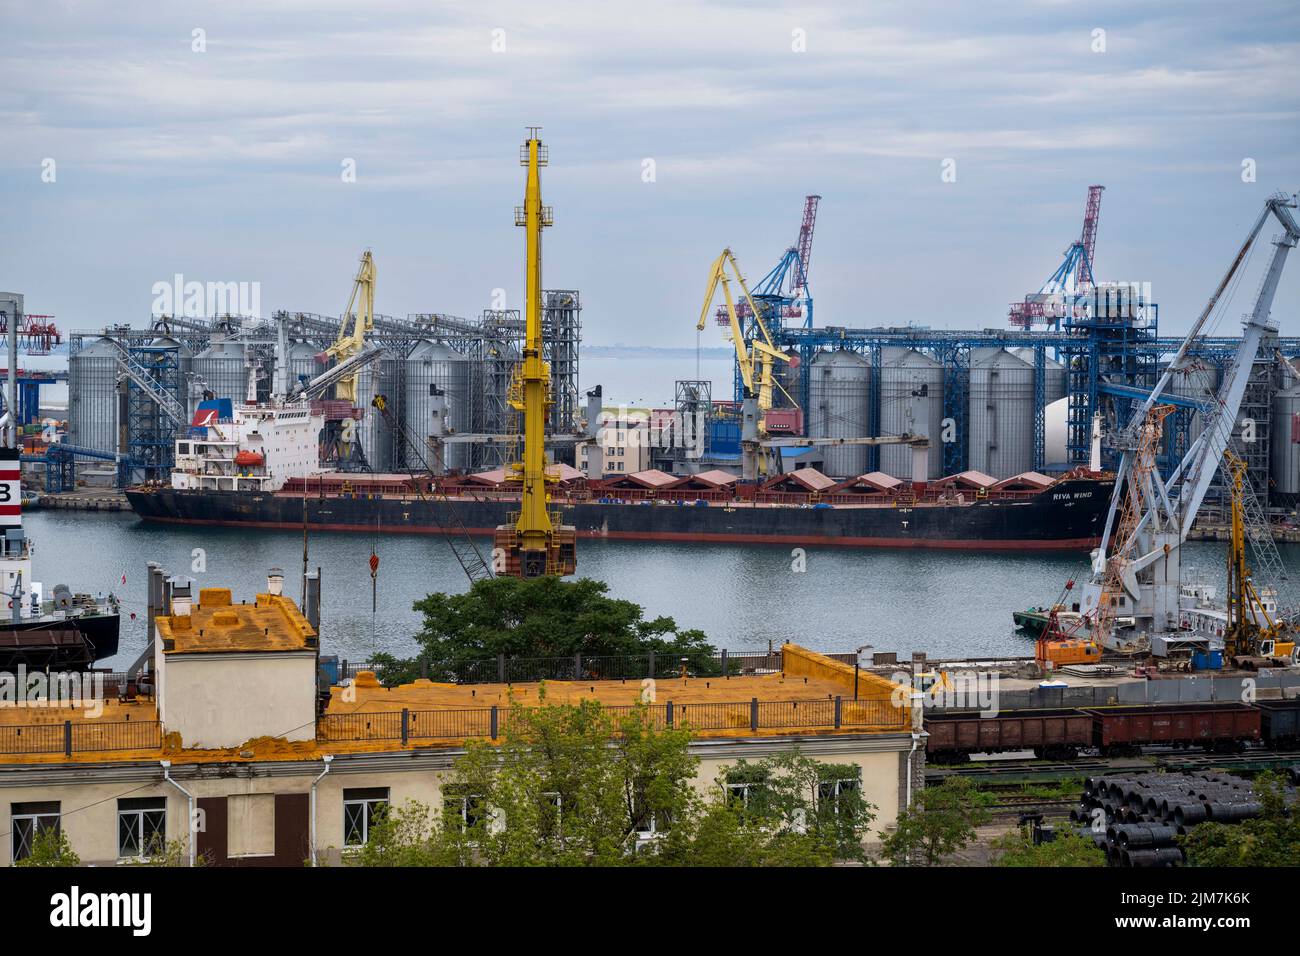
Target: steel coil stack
[(1137, 819)]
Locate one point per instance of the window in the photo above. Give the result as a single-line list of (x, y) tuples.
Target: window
[(552, 805), (141, 827), (465, 810), (829, 791), (360, 807), (746, 795), (28, 819)]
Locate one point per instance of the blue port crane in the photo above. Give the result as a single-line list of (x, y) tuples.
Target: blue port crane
[(781, 295)]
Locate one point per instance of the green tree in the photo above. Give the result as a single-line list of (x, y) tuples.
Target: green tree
[(940, 822), (784, 810), (580, 785), (537, 617), (1271, 839), (163, 853), (1068, 849), (50, 847)]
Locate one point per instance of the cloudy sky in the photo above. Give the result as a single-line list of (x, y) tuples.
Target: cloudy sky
[(225, 163)]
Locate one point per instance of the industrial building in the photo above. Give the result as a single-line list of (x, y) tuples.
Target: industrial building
[(232, 758), (1075, 352), (132, 391)]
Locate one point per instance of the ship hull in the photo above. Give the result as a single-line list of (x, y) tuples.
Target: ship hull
[(1067, 516)]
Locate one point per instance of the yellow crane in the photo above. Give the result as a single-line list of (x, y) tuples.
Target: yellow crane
[(535, 544), (351, 342), (1251, 637), (754, 358)]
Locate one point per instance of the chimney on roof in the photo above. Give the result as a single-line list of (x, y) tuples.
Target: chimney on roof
[(275, 581), (182, 589)]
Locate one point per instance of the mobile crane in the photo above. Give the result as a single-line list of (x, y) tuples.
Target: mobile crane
[(535, 544), (1252, 639)]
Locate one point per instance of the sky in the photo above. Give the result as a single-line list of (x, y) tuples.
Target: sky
[(220, 154)]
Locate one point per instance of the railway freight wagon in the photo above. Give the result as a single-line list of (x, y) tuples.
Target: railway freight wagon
[(1279, 722), (1121, 731), (1051, 734)]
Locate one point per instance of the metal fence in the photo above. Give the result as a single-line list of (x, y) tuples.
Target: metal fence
[(71, 737), (752, 715), (522, 670)]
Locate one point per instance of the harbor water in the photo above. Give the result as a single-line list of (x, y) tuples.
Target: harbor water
[(947, 604)]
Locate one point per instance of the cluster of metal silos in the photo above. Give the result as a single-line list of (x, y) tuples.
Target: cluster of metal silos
[(1001, 413), (911, 400), (839, 396)]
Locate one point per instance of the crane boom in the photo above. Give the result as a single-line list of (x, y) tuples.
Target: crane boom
[(1085, 276), (754, 360), (349, 343), (1150, 517)]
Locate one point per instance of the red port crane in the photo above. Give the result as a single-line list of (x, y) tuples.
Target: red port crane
[(1072, 279)]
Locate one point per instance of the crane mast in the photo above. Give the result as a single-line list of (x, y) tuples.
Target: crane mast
[(1145, 581), (535, 544), (349, 343)]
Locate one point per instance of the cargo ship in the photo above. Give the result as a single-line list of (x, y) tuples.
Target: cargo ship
[(258, 466), (59, 629)]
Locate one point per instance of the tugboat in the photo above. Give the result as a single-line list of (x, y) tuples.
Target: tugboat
[(61, 630)]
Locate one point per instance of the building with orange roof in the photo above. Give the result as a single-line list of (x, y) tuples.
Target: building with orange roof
[(234, 757)]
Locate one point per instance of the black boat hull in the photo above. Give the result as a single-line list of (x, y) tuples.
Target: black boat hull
[(1067, 516)]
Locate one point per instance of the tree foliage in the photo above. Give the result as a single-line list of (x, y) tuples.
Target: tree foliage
[(537, 617), (940, 822), (50, 847), (577, 785), (1271, 839), (1068, 849)]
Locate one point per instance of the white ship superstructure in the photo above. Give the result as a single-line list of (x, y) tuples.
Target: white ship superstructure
[(249, 447)]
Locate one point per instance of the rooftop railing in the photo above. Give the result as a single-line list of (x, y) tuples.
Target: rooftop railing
[(578, 667), (750, 716)]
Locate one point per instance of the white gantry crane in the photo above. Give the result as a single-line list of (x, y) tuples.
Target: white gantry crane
[(1136, 570)]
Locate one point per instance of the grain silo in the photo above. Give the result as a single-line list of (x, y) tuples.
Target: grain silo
[(1001, 433), (93, 396), (1284, 467), (1053, 374), (220, 369), (435, 365), (303, 364), (378, 443), (839, 393), (1197, 380), (911, 400)]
